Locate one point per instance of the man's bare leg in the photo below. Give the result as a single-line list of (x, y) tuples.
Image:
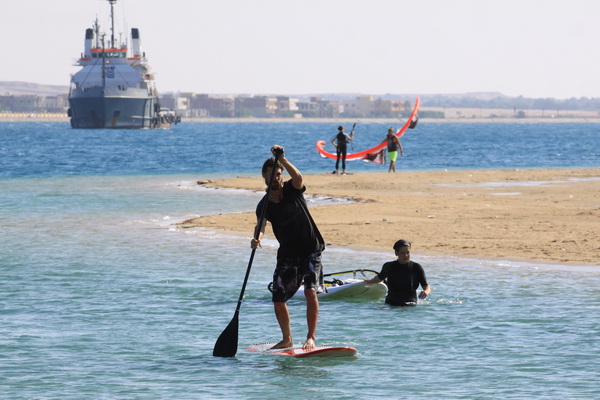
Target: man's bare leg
[(283, 318), (312, 317)]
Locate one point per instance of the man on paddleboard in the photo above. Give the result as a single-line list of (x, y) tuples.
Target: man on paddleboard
[(300, 245), (403, 277)]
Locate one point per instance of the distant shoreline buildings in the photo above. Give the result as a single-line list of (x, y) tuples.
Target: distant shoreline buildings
[(192, 105)]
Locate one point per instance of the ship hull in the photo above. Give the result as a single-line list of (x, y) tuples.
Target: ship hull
[(114, 112), (115, 88)]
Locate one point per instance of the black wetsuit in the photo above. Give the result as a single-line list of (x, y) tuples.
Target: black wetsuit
[(341, 150), (403, 280)]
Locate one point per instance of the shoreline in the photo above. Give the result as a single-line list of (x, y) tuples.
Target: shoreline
[(547, 216), (464, 120)]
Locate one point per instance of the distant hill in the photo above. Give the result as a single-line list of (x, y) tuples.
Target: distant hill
[(32, 88)]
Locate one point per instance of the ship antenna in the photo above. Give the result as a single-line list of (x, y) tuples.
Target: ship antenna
[(112, 23), (97, 32)]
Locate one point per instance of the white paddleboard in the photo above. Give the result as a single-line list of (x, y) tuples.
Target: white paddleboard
[(351, 289)]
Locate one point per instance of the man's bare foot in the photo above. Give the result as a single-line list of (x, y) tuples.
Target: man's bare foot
[(309, 344), (284, 344)]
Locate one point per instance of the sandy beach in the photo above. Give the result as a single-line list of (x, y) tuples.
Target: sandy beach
[(539, 216)]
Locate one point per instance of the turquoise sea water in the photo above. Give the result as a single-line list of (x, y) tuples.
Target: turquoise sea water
[(101, 297)]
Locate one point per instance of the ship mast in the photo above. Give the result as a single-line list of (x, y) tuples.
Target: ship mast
[(112, 23), (112, 40), (103, 63)]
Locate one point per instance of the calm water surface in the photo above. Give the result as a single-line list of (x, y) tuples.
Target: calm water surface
[(103, 298)]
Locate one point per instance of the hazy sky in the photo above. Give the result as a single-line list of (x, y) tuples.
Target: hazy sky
[(533, 48)]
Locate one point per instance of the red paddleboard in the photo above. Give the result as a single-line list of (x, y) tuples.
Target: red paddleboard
[(299, 352)]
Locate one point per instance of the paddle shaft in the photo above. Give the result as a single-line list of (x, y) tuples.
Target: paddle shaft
[(227, 343), (352, 136)]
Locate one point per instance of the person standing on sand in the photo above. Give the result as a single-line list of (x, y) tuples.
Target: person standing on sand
[(393, 146), (403, 277), (300, 246), (340, 141)]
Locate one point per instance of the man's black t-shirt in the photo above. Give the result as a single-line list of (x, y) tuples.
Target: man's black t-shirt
[(293, 226)]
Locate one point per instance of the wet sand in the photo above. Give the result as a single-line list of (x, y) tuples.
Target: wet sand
[(547, 216)]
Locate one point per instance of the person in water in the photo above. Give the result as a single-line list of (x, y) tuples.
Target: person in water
[(340, 141), (393, 146), (403, 277), (300, 245)]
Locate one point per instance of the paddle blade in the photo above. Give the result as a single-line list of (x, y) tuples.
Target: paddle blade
[(227, 343)]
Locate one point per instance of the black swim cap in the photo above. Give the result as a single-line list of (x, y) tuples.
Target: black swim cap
[(401, 243)]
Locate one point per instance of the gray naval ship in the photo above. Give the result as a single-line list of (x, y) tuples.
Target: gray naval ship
[(115, 88)]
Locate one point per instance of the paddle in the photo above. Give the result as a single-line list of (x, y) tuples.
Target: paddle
[(352, 136), (227, 343)]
